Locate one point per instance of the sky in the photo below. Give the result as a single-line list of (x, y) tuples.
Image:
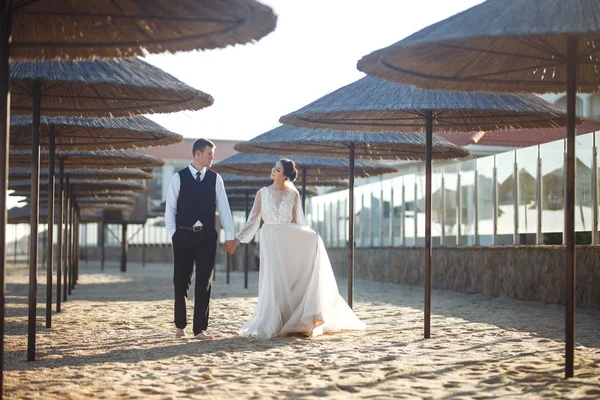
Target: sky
[(312, 51)]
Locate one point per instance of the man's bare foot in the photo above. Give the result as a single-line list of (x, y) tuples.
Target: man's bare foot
[(203, 336), (179, 333)]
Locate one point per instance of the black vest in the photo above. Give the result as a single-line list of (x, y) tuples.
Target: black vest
[(197, 200)]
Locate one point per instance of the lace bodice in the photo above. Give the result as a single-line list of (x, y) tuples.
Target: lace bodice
[(273, 206)]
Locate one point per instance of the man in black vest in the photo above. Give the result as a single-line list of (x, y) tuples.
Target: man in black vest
[(195, 194)]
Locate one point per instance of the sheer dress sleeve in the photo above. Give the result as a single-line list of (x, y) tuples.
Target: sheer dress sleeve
[(297, 212), (253, 223)]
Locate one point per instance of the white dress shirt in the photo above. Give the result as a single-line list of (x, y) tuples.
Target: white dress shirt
[(222, 203)]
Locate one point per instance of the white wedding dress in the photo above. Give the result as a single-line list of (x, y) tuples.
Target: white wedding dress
[(296, 285)]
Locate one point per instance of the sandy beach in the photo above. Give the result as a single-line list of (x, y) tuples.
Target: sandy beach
[(115, 339)]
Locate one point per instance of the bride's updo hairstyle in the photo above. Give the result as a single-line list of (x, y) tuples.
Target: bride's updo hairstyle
[(289, 169)]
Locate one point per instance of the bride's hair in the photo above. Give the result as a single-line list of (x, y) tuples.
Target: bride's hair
[(289, 169)]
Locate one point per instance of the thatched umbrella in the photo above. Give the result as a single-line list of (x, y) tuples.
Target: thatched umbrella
[(20, 215), (322, 169), (119, 174), (108, 159), (329, 143), (88, 191), (375, 105), (91, 133), (121, 28), (510, 46), (99, 88)]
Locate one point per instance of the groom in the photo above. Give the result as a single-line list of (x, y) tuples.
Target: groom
[(195, 194)]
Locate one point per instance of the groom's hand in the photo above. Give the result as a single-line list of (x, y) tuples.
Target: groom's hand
[(230, 246)]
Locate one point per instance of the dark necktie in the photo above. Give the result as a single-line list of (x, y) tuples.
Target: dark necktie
[(198, 176)]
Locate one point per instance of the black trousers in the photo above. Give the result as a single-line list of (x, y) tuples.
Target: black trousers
[(189, 247)]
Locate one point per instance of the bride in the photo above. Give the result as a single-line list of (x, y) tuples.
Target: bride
[(297, 291)]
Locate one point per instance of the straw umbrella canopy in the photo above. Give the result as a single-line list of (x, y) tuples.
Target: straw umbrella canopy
[(323, 169), (93, 201), (124, 174), (20, 215), (124, 28), (91, 133), (108, 159), (330, 143), (324, 142), (375, 105), (510, 46), (233, 180), (99, 88), (89, 186), (90, 191), (106, 200)]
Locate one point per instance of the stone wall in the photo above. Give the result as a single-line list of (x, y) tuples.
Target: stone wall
[(520, 272)]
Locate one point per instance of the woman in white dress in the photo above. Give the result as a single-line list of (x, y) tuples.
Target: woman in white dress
[(297, 291)]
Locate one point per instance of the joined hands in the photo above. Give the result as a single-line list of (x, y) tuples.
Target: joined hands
[(230, 245)]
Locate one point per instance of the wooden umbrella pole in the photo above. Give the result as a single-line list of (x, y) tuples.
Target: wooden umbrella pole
[(5, 30), (427, 275), (60, 232), (68, 229), (351, 227), (123, 247), (50, 266), (34, 220), (570, 205)]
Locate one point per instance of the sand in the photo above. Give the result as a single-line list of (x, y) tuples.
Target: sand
[(114, 339)]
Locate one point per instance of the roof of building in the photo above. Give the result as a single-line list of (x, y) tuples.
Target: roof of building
[(183, 150), (518, 138)]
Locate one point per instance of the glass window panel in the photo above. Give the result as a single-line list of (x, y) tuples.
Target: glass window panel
[(505, 167), (333, 224), (358, 220), (343, 219), (552, 155), (375, 213), (409, 206), (467, 192), (527, 167), (397, 186), (386, 186), (365, 217), (420, 208), (485, 179), (583, 193), (436, 206), (450, 184)]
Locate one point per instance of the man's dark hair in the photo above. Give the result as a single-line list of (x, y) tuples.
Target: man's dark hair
[(201, 144)]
